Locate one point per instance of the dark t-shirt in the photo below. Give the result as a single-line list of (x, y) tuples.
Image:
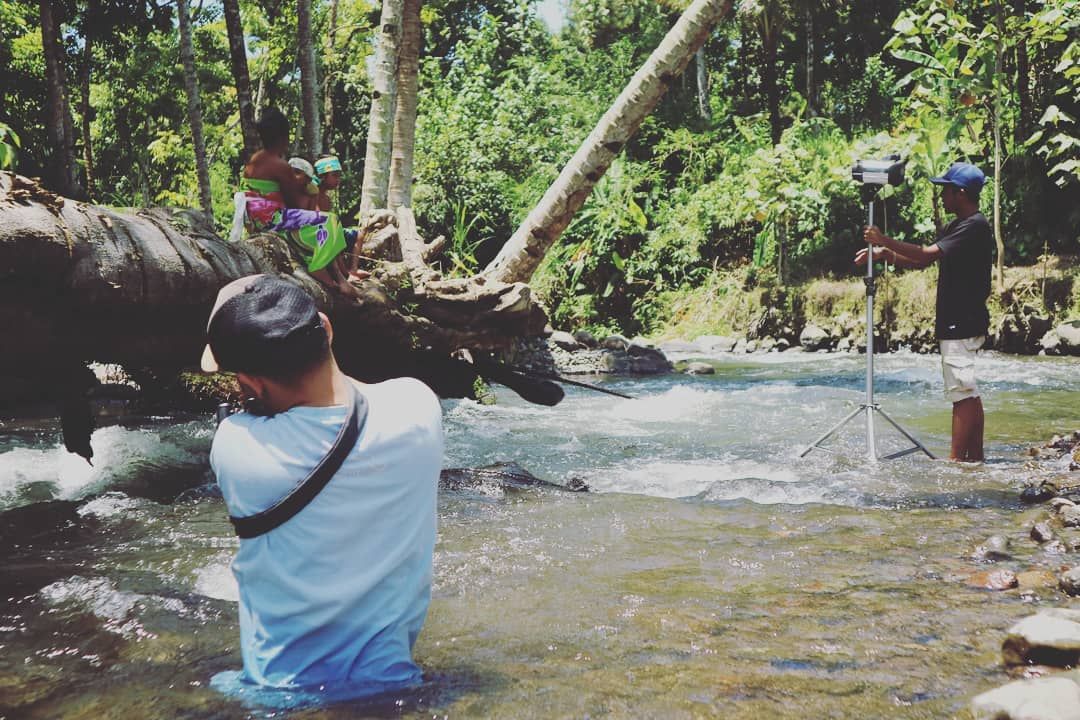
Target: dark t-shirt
[(967, 248)]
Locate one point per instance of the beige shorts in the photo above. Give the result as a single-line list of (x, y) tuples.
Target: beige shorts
[(958, 367)]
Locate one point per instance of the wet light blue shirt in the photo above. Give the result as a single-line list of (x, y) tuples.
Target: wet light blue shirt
[(337, 595)]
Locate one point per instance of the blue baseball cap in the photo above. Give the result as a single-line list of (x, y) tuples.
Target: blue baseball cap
[(963, 175)]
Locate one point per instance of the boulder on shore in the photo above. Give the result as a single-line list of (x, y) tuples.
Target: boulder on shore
[(1050, 637), (1048, 698), (814, 337)]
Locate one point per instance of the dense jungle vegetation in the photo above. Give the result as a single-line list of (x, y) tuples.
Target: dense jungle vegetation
[(742, 171)]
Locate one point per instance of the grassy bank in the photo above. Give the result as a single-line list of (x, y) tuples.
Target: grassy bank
[(741, 302)]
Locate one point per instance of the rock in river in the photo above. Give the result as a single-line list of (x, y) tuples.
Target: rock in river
[(1050, 637), (1049, 698)]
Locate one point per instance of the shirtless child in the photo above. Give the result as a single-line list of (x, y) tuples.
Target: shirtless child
[(278, 201)]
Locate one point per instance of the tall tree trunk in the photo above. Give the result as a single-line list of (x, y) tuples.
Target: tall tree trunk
[(523, 252), (383, 106), (702, 68), (404, 135), (770, 85), (58, 124), (309, 82), (1026, 123), (811, 88), (234, 27), (84, 110), (330, 65), (999, 59), (194, 106)]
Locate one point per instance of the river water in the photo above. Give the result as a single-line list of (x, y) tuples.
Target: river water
[(711, 572)]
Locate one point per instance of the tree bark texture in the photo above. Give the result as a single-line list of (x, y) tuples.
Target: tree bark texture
[(58, 124), (84, 283), (309, 81), (84, 111), (383, 105), (329, 68), (404, 135), (194, 106), (702, 68), (523, 252), (234, 27)]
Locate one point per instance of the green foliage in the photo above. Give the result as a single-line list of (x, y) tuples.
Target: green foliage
[(1056, 27), (9, 143)]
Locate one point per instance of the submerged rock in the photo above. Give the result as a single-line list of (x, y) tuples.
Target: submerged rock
[(1050, 698), (1039, 493), (505, 476), (1050, 637), (699, 368), (996, 547)]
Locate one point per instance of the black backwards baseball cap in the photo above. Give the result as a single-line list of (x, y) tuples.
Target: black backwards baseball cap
[(263, 325)]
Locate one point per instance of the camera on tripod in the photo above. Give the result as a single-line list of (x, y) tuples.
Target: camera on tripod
[(888, 171)]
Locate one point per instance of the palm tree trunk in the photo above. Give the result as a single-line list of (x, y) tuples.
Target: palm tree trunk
[(309, 82), (58, 126), (383, 106), (404, 136), (702, 72), (84, 110), (194, 105), (523, 252), (330, 67), (238, 59)]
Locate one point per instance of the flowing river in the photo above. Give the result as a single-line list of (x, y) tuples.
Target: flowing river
[(711, 572)]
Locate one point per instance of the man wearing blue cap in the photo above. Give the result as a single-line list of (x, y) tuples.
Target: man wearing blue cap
[(964, 250)]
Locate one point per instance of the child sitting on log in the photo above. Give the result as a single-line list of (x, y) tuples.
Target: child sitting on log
[(328, 169), (274, 198)]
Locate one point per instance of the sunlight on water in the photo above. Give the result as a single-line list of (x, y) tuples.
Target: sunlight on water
[(711, 572)]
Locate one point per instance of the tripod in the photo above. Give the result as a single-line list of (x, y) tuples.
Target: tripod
[(868, 406)]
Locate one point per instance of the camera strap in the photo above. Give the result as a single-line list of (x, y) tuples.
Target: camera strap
[(298, 498)]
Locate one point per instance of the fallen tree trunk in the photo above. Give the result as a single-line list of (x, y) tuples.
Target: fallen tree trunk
[(80, 282)]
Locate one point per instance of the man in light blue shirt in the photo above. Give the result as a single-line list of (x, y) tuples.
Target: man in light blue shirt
[(332, 599)]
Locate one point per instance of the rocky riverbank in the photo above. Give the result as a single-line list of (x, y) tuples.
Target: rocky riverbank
[(1036, 559)]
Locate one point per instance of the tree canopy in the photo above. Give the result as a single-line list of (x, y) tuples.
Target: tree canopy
[(795, 91)]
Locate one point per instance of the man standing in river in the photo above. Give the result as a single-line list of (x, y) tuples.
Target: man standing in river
[(964, 252), (332, 596)]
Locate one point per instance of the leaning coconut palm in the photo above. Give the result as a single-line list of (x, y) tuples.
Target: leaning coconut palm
[(523, 252), (383, 104)]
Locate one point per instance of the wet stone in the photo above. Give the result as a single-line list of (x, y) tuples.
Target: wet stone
[(565, 340), (1041, 533), (699, 368), (994, 579), (1050, 637), (1036, 579), (1070, 515), (1049, 698), (1069, 581), (1038, 493), (996, 547)]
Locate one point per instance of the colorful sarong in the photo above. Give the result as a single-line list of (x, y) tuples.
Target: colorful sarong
[(316, 236)]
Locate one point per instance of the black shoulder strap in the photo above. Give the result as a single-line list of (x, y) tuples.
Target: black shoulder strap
[(299, 497)]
